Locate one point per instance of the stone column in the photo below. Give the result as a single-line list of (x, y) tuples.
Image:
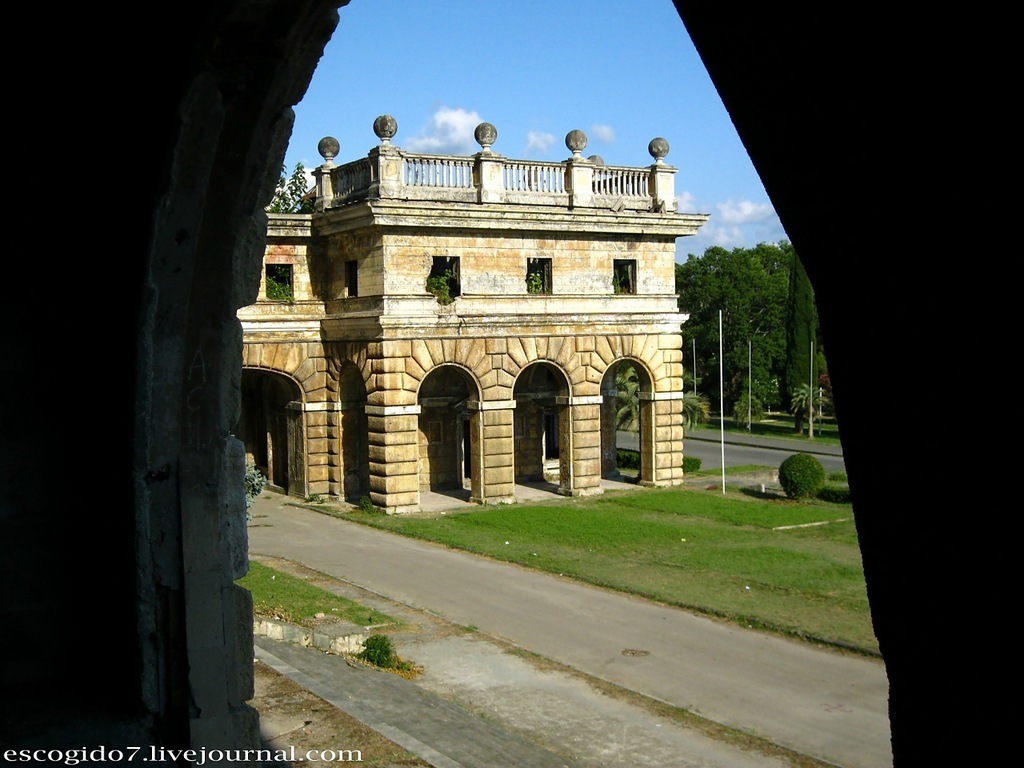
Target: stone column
[(394, 457), (581, 445), (661, 439), (579, 172), (662, 179), (493, 449)]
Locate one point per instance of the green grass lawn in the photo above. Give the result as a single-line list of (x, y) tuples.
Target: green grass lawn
[(279, 594), (730, 556), (778, 425)]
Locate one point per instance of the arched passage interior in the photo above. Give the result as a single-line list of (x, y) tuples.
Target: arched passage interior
[(542, 429), (447, 435), (271, 426), (354, 467), (627, 420)]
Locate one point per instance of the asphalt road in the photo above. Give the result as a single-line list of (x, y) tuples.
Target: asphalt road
[(742, 451), (829, 705)]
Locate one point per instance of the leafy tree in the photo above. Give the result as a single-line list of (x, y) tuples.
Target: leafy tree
[(290, 196), (801, 330), (750, 287)]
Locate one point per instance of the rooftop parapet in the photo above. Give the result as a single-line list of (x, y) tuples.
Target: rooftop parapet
[(389, 172)]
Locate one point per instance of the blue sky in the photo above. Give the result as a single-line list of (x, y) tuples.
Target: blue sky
[(623, 73)]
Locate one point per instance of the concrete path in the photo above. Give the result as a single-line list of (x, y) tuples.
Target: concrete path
[(826, 705)]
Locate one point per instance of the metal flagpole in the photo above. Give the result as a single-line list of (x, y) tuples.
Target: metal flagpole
[(810, 395), (721, 398)]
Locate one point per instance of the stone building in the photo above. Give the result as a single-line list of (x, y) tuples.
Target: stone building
[(456, 322)]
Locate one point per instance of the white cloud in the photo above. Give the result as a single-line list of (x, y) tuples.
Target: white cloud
[(603, 133), (685, 202), (539, 142), (744, 211), (449, 132)]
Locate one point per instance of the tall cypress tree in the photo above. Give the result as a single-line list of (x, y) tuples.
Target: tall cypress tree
[(801, 325)]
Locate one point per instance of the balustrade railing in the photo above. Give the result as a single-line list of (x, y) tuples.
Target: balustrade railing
[(438, 171), (391, 173)]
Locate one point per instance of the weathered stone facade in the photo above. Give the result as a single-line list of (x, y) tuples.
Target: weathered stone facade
[(457, 322)]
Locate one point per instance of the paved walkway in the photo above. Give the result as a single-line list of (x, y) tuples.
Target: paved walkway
[(819, 703)]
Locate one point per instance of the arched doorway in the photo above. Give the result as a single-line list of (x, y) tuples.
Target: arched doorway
[(271, 426), (447, 439), (627, 422), (354, 470), (542, 429)]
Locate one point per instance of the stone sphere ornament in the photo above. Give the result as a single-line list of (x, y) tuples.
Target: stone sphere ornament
[(328, 149), (576, 140), (596, 159), (658, 149), (385, 127), (485, 135)]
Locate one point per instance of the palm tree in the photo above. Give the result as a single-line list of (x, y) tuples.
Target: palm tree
[(627, 412), (696, 409), (802, 399)]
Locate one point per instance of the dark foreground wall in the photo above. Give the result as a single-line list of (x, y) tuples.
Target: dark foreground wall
[(148, 147)]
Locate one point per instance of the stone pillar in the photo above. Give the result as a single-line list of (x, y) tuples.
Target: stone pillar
[(493, 451), (661, 443), (579, 172), (387, 179), (581, 444), (328, 148), (394, 453), (490, 187), (662, 179)]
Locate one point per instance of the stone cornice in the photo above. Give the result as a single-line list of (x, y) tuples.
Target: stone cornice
[(578, 223)]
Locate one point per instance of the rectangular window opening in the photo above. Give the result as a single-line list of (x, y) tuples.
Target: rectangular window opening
[(624, 275), (279, 282), (444, 281), (538, 275), (352, 278)]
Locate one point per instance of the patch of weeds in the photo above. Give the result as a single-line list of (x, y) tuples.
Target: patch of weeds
[(366, 505), (379, 651), (315, 498)]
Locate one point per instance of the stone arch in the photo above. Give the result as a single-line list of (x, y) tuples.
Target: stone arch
[(637, 396), (448, 434), (272, 428), (542, 425)]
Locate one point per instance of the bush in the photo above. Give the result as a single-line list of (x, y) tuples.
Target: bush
[(255, 482), (801, 476), (366, 504), (377, 650), (627, 459), (691, 464), (836, 494)]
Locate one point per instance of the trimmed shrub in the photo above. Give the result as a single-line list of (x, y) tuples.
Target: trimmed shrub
[(627, 459), (801, 476), (377, 650), (837, 494), (691, 464)]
